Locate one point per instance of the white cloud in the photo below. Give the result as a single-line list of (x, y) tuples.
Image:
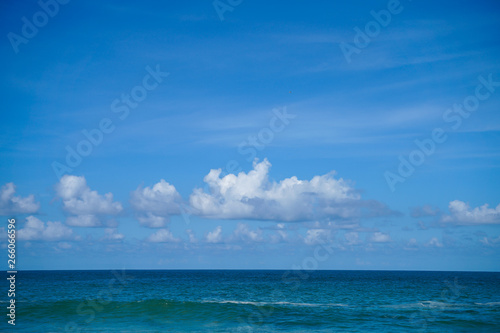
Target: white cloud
[(434, 242), (163, 236), (424, 211), (152, 221), (490, 241), (243, 233), (282, 234), (34, 229), (215, 236), (412, 242), (64, 245), (318, 236), (87, 205), (11, 204), (252, 196), (192, 237), (156, 204), (352, 238), (462, 214), (379, 237), (112, 234), (86, 221), (411, 245)]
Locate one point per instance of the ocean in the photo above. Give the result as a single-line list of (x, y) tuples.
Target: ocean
[(255, 301)]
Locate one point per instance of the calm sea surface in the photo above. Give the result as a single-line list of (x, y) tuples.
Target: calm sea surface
[(254, 301)]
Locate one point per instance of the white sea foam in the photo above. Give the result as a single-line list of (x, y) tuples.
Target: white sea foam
[(424, 304), (489, 304), (276, 303)]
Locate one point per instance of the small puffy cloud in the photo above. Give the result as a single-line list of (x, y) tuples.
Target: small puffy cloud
[(253, 196), (424, 211), (86, 205), (412, 242), (191, 235), (278, 232), (152, 221), (422, 226), (86, 221), (78, 199), (64, 245), (243, 233), (215, 236), (155, 204), (112, 235), (379, 237), (411, 245), (34, 229), (434, 242), (490, 241), (352, 238), (318, 236), (162, 236), (463, 214), (12, 204), (281, 231)]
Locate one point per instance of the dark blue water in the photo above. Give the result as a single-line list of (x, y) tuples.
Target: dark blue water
[(255, 301)]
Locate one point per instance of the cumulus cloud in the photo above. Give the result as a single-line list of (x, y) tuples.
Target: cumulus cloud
[(83, 221), (434, 242), (155, 204), (352, 238), (253, 196), (112, 234), (380, 237), (163, 236), (318, 236), (412, 243), (86, 205), (152, 221), (191, 235), (34, 229), (215, 236), (424, 211), (463, 214), (244, 233), (12, 204), (64, 245), (281, 231), (490, 241)]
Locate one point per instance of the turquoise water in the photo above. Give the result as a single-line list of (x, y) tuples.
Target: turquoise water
[(256, 301)]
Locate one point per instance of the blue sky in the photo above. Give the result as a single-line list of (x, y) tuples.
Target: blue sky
[(386, 154)]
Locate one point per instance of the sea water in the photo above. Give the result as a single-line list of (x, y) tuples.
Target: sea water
[(255, 301)]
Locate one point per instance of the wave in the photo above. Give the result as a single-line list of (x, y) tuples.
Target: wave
[(489, 304), (276, 303), (428, 304)]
